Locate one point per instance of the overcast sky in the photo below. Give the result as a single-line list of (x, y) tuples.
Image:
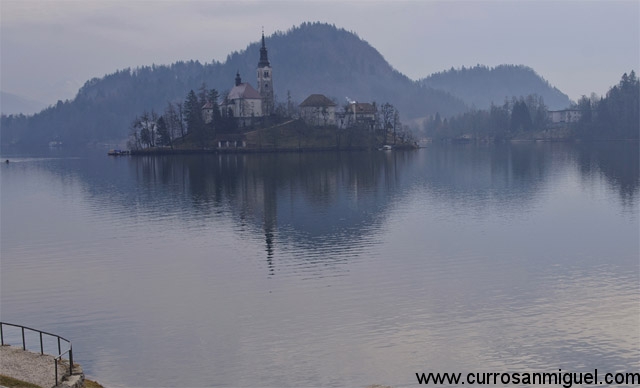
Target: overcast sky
[(50, 48)]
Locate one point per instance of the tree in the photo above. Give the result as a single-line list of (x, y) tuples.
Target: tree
[(181, 118), (164, 136), (173, 120), (520, 117), (387, 113), (143, 131), (396, 124), (537, 112), (193, 117), (614, 116)]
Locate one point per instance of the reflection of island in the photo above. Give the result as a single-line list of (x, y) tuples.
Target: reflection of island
[(305, 205), (296, 200)]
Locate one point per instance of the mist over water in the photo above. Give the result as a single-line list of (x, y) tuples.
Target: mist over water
[(328, 269)]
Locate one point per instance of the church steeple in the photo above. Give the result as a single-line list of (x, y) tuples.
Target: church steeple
[(238, 79), (265, 80), (264, 60)]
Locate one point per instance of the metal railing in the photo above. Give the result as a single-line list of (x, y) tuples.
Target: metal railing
[(57, 358)]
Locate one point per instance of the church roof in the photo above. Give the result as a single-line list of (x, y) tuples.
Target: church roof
[(317, 100), (245, 91)]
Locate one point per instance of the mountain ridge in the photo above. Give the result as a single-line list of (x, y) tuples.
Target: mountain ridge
[(311, 58), (480, 86)]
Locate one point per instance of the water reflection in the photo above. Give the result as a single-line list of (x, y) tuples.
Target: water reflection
[(320, 200), (309, 202), (312, 204), (619, 164), (328, 269)]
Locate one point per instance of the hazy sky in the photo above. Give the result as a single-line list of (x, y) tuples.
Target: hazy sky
[(50, 48)]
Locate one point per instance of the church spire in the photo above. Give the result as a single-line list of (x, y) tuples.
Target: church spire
[(264, 60), (238, 79), (265, 80)]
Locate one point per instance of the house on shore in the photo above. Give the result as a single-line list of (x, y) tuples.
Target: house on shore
[(358, 114), (565, 116)]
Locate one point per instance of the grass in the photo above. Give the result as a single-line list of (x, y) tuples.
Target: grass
[(10, 382), (92, 384)]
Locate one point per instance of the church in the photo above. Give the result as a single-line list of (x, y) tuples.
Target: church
[(243, 101)]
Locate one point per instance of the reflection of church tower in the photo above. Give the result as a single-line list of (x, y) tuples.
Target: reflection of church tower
[(270, 196), (265, 81)]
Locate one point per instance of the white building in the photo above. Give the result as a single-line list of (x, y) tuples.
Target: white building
[(246, 103), (564, 116), (242, 102), (358, 114)]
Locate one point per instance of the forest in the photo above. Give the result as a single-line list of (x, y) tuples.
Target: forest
[(614, 116)]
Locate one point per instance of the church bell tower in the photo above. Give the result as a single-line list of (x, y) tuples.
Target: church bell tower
[(265, 81)]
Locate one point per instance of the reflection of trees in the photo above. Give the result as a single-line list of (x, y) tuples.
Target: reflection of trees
[(318, 196), (511, 175), (275, 188), (316, 201), (618, 162), (504, 176)]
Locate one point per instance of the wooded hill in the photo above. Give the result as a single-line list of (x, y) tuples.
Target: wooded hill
[(480, 86), (311, 58)]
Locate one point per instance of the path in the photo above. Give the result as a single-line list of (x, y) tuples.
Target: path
[(27, 366)]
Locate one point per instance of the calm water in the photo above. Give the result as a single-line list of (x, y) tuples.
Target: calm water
[(301, 270)]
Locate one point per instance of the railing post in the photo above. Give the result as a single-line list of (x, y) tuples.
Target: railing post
[(41, 347), (56, 360), (1, 335), (70, 360), (59, 348), (24, 346)]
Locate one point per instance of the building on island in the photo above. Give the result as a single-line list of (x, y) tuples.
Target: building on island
[(207, 112), (246, 103), (564, 116), (247, 106), (243, 102), (318, 110), (358, 114)]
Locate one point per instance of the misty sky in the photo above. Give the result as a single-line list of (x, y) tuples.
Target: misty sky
[(50, 48)]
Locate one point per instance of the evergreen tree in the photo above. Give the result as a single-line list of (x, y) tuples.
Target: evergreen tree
[(193, 114), (520, 117), (164, 136)]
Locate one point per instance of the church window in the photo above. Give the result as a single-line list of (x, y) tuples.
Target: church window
[(266, 86), (266, 74)]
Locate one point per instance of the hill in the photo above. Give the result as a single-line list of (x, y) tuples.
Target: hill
[(479, 86), (320, 58), (311, 58), (13, 104)]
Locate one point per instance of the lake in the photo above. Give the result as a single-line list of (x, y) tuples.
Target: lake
[(328, 269)]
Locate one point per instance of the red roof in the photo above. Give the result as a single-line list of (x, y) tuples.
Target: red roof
[(365, 108), (245, 91), (317, 100)]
